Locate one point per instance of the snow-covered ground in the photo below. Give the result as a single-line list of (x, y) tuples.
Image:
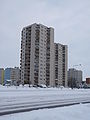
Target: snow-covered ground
[(75, 112), (12, 95), (25, 95)]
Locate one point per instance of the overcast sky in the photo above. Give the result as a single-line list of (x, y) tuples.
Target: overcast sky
[(69, 18)]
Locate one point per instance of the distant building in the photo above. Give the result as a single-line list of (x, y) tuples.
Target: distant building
[(12, 74), (74, 77), (7, 74), (1, 76), (60, 65), (15, 75), (87, 80)]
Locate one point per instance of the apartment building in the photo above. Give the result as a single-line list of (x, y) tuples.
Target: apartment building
[(1, 76), (12, 74), (60, 65), (15, 75), (7, 74), (74, 77), (37, 55)]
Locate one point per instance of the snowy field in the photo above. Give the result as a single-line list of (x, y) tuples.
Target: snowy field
[(10, 96), (75, 112)]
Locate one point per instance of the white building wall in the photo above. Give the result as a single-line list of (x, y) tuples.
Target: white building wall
[(42, 55), (62, 80), (66, 65), (32, 53), (23, 55), (60, 65), (52, 57)]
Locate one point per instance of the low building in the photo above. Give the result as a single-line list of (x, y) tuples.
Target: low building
[(87, 80), (12, 74), (7, 74), (1, 76), (15, 75), (74, 77)]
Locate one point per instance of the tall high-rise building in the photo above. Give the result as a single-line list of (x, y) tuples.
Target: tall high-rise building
[(37, 55), (60, 65), (42, 61), (1, 76)]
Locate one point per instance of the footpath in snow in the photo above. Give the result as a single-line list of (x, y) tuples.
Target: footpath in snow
[(75, 112)]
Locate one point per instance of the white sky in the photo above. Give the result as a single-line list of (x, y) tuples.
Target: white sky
[(69, 18)]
